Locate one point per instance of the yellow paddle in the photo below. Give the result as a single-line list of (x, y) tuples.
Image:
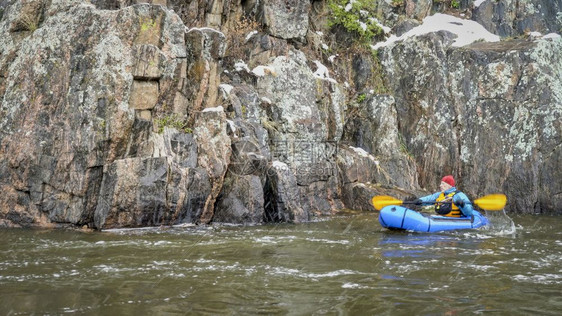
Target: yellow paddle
[(491, 202)]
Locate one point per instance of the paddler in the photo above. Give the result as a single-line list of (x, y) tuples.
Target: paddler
[(460, 205)]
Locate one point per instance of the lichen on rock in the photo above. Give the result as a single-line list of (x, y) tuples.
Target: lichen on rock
[(121, 114)]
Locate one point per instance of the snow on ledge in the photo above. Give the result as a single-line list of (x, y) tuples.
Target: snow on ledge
[(266, 100), (215, 109), (538, 35), (205, 29), (552, 35), (361, 152), (467, 31), (384, 28), (239, 66), (226, 88), (349, 6), (250, 35), (477, 3), (232, 126), (280, 165), (261, 71), (322, 72)]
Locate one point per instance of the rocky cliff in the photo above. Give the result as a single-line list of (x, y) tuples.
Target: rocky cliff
[(132, 113)]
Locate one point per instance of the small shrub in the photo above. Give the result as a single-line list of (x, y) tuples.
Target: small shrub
[(404, 147), (30, 22), (271, 126), (455, 4), (378, 84), (172, 120), (361, 97), (355, 17), (237, 37)]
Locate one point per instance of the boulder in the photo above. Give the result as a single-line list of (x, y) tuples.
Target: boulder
[(133, 194), (215, 146), (281, 196), (241, 201), (287, 19)]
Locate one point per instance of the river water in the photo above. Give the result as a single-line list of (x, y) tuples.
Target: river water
[(342, 265)]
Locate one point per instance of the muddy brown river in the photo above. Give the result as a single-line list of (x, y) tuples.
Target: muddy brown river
[(342, 265)]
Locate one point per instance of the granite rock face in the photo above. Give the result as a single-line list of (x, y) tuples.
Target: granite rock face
[(137, 113), (95, 103), (488, 113)]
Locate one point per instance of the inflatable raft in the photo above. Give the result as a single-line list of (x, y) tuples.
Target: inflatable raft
[(399, 217)]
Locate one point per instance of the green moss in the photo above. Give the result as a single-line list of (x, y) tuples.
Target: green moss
[(244, 110), (147, 24)]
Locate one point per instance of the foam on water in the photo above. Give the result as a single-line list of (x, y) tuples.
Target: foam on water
[(500, 224), (354, 286), (311, 275), (539, 278), (327, 241)]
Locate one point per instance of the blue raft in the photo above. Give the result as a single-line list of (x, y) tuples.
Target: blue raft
[(399, 217)]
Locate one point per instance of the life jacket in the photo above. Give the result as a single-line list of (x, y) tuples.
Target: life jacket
[(446, 209)]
